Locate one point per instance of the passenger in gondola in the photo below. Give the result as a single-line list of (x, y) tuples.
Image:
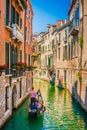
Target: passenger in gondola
[(36, 105), (33, 96)]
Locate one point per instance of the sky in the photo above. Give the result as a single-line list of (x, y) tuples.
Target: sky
[(48, 12)]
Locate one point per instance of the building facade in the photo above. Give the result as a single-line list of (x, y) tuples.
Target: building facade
[(61, 52), (65, 50), (45, 44), (16, 52)]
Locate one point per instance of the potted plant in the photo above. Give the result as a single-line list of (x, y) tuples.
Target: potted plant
[(5, 66)]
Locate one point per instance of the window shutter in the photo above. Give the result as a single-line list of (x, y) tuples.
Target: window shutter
[(17, 18), (28, 59), (13, 15), (20, 55), (7, 12), (7, 53)]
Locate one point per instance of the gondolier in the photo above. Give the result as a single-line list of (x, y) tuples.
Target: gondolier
[(32, 96)]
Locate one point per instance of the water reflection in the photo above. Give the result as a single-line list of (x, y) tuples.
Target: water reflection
[(62, 112)]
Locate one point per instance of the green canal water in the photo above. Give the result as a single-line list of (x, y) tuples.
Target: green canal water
[(62, 112)]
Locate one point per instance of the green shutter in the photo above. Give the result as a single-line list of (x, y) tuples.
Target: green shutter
[(13, 15), (6, 53), (28, 59), (49, 61), (17, 17), (13, 57), (21, 55), (7, 12)]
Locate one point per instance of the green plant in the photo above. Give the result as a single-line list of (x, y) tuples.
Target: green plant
[(22, 64), (3, 67), (79, 77), (80, 40)]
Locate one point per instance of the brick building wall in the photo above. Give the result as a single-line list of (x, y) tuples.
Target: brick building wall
[(14, 89)]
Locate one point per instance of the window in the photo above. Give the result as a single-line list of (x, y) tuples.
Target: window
[(12, 54), (58, 53), (65, 53), (65, 75), (69, 52), (26, 33), (66, 34), (59, 37), (46, 60), (52, 44), (27, 11), (28, 59), (76, 18), (49, 61), (15, 56), (20, 23), (14, 16)]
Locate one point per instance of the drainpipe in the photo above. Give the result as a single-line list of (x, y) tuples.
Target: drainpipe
[(10, 38), (25, 35), (10, 57)]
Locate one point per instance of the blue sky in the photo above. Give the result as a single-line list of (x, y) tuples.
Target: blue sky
[(47, 12)]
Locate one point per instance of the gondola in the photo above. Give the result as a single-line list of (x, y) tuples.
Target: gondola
[(34, 112)]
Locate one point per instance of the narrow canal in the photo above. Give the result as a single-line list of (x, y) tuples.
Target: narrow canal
[(62, 112)]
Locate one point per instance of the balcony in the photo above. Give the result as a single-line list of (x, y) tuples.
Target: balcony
[(8, 25), (16, 33), (74, 30), (74, 27)]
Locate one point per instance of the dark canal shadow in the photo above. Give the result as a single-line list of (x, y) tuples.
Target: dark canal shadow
[(76, 107), (76, 96), (75, 104), (35, 123), (74, 91), (82, 115), (86, 97)]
